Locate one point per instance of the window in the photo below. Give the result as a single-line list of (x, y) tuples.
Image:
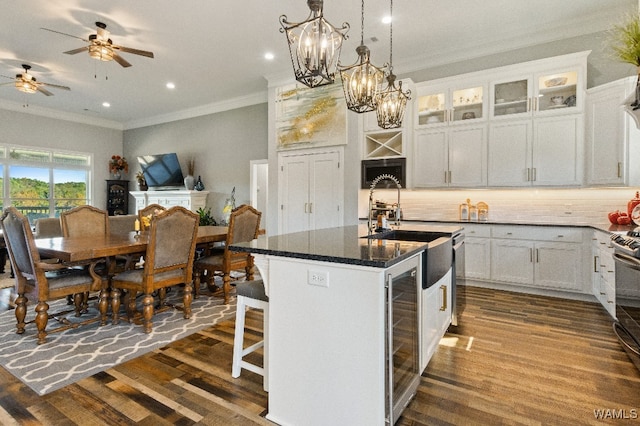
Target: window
[(43, 183)]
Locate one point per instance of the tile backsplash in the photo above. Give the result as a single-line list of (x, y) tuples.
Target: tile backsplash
[(541, 205)]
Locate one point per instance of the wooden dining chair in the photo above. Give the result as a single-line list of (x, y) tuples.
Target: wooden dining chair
[(168, 262), (84, 221), (42, 280), (244, 225), (149, 210)]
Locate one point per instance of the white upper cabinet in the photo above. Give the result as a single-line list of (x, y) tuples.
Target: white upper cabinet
[(546, 93), (612, 136), (454, 102)]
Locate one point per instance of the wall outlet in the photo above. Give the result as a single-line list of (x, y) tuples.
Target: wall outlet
[(319, 278)]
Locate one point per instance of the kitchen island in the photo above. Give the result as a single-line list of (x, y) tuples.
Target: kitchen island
[(327, 345)]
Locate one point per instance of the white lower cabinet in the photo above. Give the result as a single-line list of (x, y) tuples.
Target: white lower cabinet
[(545, 257), (435, 317), (477, 252), (604, 271)]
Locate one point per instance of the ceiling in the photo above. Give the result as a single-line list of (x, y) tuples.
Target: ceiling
[(213, 51)]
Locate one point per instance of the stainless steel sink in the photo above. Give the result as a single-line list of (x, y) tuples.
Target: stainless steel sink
[(437, 257)]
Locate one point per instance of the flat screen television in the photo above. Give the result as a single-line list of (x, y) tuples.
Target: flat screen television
[(162, 171)]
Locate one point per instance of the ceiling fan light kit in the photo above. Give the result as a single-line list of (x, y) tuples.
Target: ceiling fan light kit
[(361, 81), (314, 46), (27, 83)]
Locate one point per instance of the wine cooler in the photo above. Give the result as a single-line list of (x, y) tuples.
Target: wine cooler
[(402, 364)]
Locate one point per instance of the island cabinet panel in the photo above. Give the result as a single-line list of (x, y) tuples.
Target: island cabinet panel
[(326, 344), (329, 346)]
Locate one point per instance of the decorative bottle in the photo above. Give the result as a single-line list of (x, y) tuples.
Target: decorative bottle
[(189, 182), (199, 186)]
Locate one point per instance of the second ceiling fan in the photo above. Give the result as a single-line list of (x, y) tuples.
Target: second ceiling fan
[(101, 47)]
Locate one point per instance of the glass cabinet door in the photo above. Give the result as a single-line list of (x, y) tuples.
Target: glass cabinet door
[(511, 97), (467, 103), (432, 109), (556, 91)]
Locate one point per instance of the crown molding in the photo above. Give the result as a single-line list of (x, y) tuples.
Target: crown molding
[(240, 102), (59, 115)]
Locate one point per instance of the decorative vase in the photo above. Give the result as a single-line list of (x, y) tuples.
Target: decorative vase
[(199, 186), (142, 186), (117, 175), (189, 182)]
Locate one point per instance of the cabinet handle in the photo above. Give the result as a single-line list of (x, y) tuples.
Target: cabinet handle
[(531, 255), (310, 207), (596, 261), (535, 173), (528, 174), (535, 104), (306, 205), (449, 176), (619, 169), (537, 256), (443, 305), (528, 104), (445, 176)]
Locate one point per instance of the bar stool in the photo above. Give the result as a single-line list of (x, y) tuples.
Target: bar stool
[(250, 294)]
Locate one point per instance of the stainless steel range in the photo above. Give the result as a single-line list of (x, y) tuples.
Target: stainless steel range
[(627, 259)]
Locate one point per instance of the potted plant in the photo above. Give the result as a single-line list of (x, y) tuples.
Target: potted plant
[(142, 182), (205, 217), (625, 43)]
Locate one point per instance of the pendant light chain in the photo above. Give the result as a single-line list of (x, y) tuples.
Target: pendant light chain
[(361, 81), (392, 101)]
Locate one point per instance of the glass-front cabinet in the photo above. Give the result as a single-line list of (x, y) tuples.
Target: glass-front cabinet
[(544, 93), (450, 104)]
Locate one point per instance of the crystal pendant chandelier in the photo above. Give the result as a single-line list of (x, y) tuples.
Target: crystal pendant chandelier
[(392, 101), (314, 46), (361, 81)]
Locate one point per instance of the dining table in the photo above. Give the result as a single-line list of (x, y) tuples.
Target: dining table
[(82, 250)]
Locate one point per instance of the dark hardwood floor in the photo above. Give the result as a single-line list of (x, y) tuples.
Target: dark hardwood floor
[(514, 359)]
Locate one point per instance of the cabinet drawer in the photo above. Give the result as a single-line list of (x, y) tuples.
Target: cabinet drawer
[(538, 233), (602, 240), (478, 231)]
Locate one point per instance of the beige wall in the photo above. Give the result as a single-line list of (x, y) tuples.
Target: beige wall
[(222, 144)]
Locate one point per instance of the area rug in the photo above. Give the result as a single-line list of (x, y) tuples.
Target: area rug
[(76, 353)]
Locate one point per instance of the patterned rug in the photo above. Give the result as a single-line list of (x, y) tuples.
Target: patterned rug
[(76, 353)]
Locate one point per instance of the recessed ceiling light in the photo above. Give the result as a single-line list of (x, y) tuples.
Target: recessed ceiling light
[(170, 85), (386, 20), (269, 56), (106, 104)]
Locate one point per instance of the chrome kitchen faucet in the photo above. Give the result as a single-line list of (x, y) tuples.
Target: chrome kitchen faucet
[(373, 186)]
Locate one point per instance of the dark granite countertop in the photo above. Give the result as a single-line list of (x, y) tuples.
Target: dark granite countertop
[(601, 226), (343, 245)]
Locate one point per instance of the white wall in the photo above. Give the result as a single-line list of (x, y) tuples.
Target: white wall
[(34, 130)]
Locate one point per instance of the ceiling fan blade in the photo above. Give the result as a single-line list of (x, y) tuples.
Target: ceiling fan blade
[(11, 78), (57, 86), (44, 91), (78, 50), (134, 51), (65, 34), (119, 59), (6, 84)]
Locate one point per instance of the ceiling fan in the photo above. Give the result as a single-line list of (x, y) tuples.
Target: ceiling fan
[(27, 83), (102, 48)]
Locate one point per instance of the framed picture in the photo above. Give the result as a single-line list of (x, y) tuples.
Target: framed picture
[(307, 118)]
